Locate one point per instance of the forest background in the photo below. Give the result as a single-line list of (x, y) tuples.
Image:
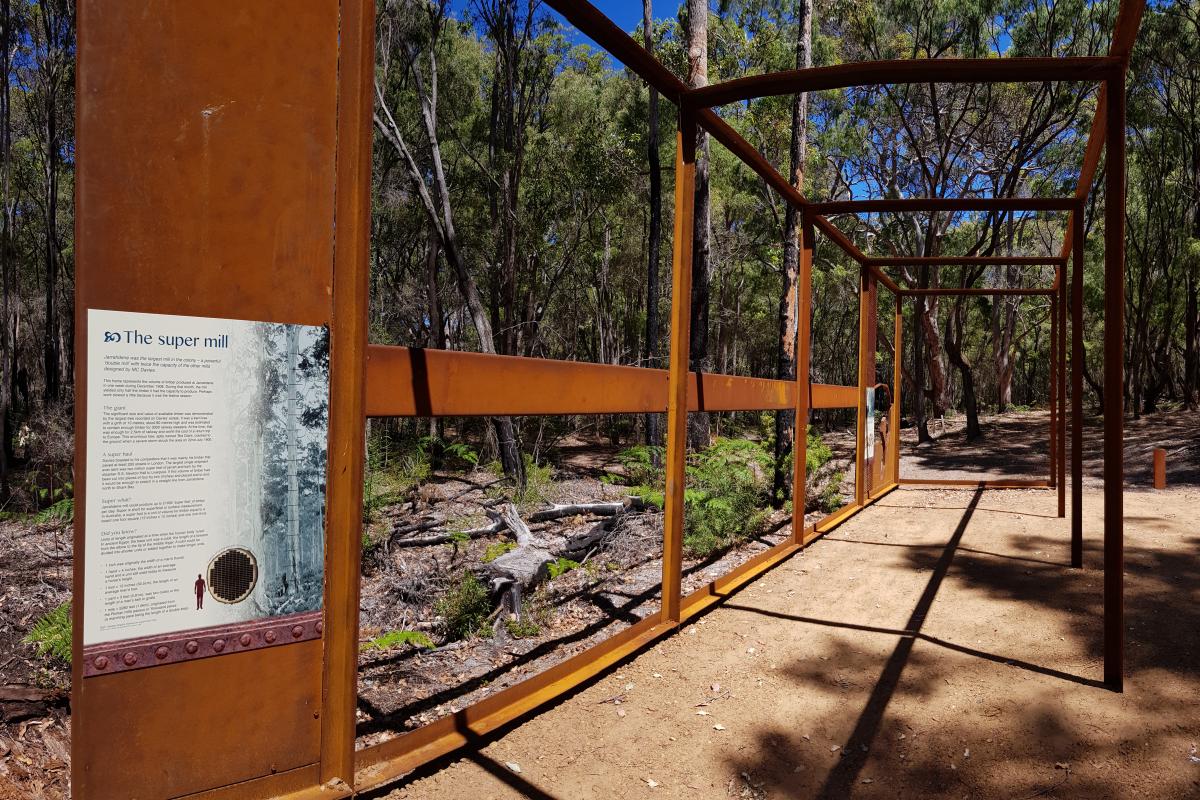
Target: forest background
[(518, 208)]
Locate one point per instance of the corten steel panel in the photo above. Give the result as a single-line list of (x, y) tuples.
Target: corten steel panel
[(205, 147), (161, 730), (204, 186)]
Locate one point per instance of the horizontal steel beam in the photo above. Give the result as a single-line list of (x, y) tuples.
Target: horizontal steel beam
[(923, 70), (895, 205), (411, 382), (976, 484), (621, 46), (957, 261), (943, 291)]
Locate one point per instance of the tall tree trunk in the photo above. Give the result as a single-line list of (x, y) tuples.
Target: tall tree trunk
[(785, 368), (1190, 360), (919, 312), (293, 478), (50, 338), (699, 357), (437, 327), (953, 342), (7, 269), (654, 422)]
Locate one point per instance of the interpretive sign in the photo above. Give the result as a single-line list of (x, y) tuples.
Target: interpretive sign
[(206, 451)]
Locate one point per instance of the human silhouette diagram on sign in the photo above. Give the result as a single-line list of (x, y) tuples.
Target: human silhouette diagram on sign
[(200, 592)]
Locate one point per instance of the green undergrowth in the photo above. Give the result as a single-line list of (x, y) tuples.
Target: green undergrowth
[(561, 566), (394, 469), (465, 608), (539, 485), (497, 549), (51, 635), (727, 498), (391, 639)]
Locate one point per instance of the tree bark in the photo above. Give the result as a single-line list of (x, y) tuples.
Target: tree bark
[(954, 338), (699, 357), (7, 267), (785, 368), (918, 348), (437, 329), (654, 423)]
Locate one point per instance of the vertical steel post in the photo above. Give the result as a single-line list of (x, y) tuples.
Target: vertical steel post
[(803, 384), (1114, 381), (348, 352), (866, 377), (1054, 383), (677, 381), (897, 388), (1077, 250), (1062, 389)]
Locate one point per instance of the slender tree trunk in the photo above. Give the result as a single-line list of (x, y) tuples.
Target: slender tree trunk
[(1191, 314), (50, 338), (7, 284), (437, 327), (785, 368), (918, 405), (1190, 360), (953, 342), (293, 479), (698, 350), (654, 422)]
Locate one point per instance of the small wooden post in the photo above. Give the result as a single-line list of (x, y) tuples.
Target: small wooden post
[(1160, 468)]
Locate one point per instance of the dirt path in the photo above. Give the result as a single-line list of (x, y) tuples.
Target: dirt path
[(934, 646)]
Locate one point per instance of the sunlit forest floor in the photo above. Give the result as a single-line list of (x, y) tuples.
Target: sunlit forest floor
[(1016, 445), (1006, 568)]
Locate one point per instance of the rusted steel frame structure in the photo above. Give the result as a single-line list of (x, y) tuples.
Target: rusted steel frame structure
[(579, 388), (411, 382), (296, 704), (1055, 292)]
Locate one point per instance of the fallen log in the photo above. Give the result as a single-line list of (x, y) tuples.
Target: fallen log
[(557, 511), (529, 563), (446, 538), (21, 701), (609, 508), (417, 527)]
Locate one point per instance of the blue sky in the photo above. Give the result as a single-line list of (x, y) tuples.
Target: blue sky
[(627, 14)]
